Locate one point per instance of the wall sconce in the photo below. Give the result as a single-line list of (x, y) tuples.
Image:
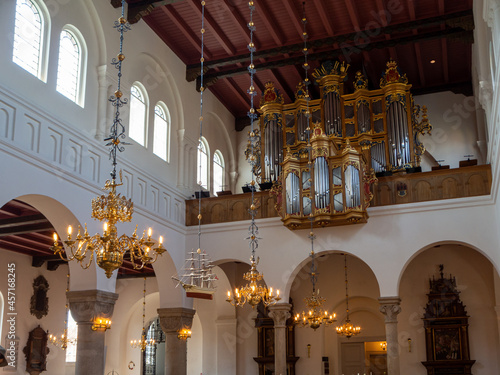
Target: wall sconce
[(409, 345), (308, 350), (101, 324), (383, 345), (183, 334)]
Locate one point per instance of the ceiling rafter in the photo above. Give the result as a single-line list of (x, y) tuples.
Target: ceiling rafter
[(282, 82), (183, 26), (353, 14), (294, 16), (444, 47), (240, 95), (140, 9), (217, 31), (193, 69), (325, 21), (448, 33), (418, 55), (240, 22), (270, 24)]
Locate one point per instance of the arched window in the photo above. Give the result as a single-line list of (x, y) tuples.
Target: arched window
[(138, 111), (161, 142), (218, 172), (30, 32), (72, 335), (202, 174), (153, 358), (70, 70)]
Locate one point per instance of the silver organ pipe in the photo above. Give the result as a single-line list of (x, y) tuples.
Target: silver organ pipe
[(321, 183), (302, 126), (273, 150), (397, 127), (352, 187), (333, 115), (292, 194), (378, 157), (364, 123)]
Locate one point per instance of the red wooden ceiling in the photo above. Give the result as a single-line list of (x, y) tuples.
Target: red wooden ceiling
[(370, 25)]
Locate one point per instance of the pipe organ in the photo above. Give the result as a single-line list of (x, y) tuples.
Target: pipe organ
[(323, 155)]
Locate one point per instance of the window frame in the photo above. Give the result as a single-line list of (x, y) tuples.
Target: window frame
[(222, 165), (82, 64), (43, 46), (166, 113), (203, 142), (142, 90)]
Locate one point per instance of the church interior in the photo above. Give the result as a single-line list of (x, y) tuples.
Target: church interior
[(250, 187)]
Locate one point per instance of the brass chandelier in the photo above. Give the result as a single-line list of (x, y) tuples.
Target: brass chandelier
[(109, 248), (347, 329), (253, 292), (63, 341), (315, 316), (143, 342)]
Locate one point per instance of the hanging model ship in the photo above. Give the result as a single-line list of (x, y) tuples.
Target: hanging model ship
[(197, 278)]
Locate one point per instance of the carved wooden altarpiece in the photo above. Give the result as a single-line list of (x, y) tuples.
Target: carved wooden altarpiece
[(446, 329)]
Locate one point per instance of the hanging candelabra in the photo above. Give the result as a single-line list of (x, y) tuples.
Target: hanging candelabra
[(197, 278), (315, 316), (109, 248), (143, 342), (347, 329), (63, 341), (254, 291)]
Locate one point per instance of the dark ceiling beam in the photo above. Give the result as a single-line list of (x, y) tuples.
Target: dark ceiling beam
[(183, 26), (192, 70), (444, 47), (294, 15), (240, 95), (278, 78), (217, 31), (382, 12), (353, 14), (139, 9), (449, 33), (240, 22), (270, 24), (325, 20), (7, 244), (418, 59), (22, 220)]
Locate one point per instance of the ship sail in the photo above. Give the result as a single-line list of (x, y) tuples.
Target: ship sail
[(197, 278)]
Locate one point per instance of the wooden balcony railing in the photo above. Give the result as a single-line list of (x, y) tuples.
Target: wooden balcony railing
[(395, 189)]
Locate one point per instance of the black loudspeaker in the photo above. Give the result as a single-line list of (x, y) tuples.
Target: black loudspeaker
[(204, 194)]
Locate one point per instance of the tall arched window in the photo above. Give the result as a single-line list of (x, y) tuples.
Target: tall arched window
[(202, 170), (138, 111), (153, 358), (30, 35), (70, 70), (72, 335), (161, 142), (218, 172)]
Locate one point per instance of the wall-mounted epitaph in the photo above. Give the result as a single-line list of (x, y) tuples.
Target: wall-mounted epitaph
[(446, 329), (39, 304), (36, 351)]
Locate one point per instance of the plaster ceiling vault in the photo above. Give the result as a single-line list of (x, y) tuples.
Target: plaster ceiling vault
[(25, 230), (363, 33)]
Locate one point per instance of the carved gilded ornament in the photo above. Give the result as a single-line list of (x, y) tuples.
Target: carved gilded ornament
[(271, 95), (392, 75), (369, 179), (300, 91), (329, 68), (320, 151), (330, 88), (420, 127), (360, 81), (400, 98)]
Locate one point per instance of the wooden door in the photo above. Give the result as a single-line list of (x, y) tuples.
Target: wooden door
[(353, 358)]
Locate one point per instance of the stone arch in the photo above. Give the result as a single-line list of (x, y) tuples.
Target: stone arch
[(477, 280)]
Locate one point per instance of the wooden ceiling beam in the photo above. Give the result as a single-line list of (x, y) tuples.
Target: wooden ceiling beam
[(217, 31), (140, 9), (448, 33), (325, 20), (240, 22), (282, 82), (270, 24), (7, 244), (353, 14), (240, 95), (444, 47), (418, 58), (295, 17), (193, 69), (183, 26)]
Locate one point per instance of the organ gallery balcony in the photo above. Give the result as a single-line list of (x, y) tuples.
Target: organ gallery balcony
[(400, 188)]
